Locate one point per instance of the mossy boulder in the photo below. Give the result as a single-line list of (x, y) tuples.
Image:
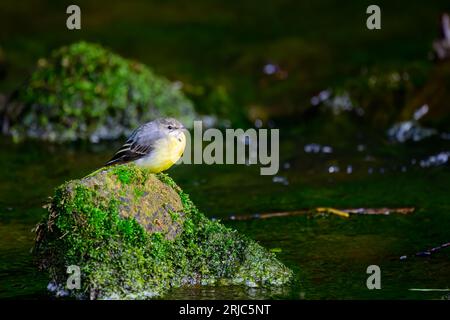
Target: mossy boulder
[(135, 234), (84, 91)]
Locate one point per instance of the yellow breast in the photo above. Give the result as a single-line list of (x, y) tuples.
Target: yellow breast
[(165, 154)]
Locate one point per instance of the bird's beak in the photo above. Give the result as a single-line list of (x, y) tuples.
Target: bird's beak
[(183, 127)]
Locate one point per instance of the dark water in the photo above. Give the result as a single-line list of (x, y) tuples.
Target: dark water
[(319, 43), (329, 254)]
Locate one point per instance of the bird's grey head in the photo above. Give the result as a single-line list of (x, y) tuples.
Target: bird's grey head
[(170, 126)]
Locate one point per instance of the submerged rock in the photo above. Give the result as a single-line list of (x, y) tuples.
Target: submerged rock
[(376, 95), (84, 91), (409, 131), (135, 234), (411, 102)]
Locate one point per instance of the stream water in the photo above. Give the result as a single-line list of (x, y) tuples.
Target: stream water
[(232, 55), (328, 253)]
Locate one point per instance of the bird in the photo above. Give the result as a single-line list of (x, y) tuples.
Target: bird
[(155, 145)]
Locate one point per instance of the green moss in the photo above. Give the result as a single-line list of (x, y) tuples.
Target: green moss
[(130, 175), (138, 193), (174, 215), (164, 177), (84, 91), (125, 174), (119, 258)]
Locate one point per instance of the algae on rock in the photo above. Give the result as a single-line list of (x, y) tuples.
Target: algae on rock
[(135, 234), (83, 91)]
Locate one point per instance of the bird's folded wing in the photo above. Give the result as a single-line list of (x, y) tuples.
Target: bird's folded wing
[(130, 151)]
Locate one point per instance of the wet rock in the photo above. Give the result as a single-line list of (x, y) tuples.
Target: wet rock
[(335, 101), (282, 180), (317, 148), (435, 160), (333, 169), (83, 91), (377, 95), (135, 234), (410, 102), (409, 131)]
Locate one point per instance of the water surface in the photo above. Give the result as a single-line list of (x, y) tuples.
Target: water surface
[(329, 254)]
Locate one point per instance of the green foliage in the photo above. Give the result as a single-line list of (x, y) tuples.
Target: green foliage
[(84, 91)]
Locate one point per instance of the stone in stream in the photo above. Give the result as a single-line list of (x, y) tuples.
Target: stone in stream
[(86, 92), (134, 235)]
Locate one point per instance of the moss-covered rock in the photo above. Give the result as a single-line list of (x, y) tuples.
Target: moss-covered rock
[(135, 234), (83, 91)]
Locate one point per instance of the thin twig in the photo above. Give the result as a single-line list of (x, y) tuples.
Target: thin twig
[(428, 290), (428, 252), (345, 213)]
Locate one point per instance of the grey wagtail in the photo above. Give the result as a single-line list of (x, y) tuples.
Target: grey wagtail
[(156, 145)]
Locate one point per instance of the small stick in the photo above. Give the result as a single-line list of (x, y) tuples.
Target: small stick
[(337, 212), (432, 250), (345, 213), (268, 215), (428, 252), (382, 211), (428, 290)]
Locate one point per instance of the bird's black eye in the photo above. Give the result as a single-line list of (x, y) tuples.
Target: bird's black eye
[(170, 127)]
